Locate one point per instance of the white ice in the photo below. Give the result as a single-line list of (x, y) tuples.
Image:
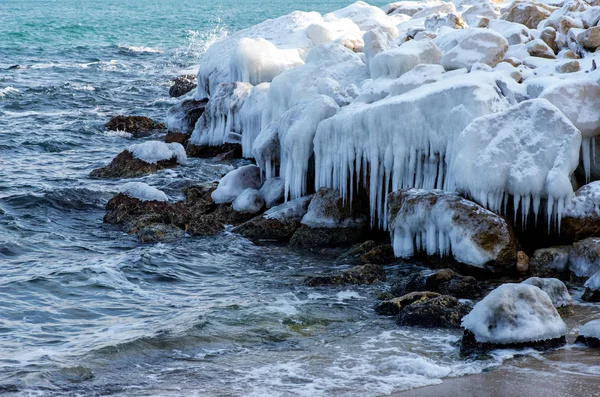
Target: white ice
[(250, 201), (143, 192), (155, 151), (235, 182), (556, 290)]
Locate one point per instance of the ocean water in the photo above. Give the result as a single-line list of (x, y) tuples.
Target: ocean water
[(87, 310)]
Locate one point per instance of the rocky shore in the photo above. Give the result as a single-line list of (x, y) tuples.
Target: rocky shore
[(457, 136)]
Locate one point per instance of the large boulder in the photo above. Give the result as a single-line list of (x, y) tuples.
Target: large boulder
[(440, 312), (528, 13), (251, 201), (477, 46), (581, 218), (444, 281), (514, 315), (138, 126), (444, 224), (141, 159), (361, 274), (235, 182), (556, 290), (277, 224)]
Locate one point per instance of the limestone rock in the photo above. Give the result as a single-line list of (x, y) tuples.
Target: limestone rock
[(549, 262)]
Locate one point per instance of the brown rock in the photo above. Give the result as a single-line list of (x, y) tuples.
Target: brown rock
[(138, 126), (125, 165), (382, 254), (528, 13), (441, 312), (522, 262), (444, 281), (549, 262), (569, 67), (590, 38), (394, 306), (182, 85), (177, 137), (581, 219), (548, 36), (538, 48), (362, 274), (183, 116), (233, 150)]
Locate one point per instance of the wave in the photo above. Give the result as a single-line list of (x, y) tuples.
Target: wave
[(70, 199), (8, 91), (140, 49)]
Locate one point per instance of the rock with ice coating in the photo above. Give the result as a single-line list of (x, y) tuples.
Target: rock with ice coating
[(154, 151), (250, 201), (477, 46), (581, 218), (251, 116), (399, 142), (220, 123), (514, 33), (592, 289), (444, 224), (514, 314), (273, 191), (473, 14), (549, 262), (528, 13), (183, 116), (235, 182), (589, 333), (367, 17), (526, 153), (395, 62), (442, 19), (584, 257), (143, 192), (434, 8), (590, 38), (556, 290)]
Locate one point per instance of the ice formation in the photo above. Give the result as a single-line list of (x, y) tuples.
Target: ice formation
[(143, 192), (155, 151), (290, 210), (251, 116), (395, 62), (584, 257), (235, 182), (325, 211), (399, 142), (476, 46), (250, 201), (590, 329), (515, 313), (526, 154), (556, 290), (273, 191), (593, 282), (586, 202)]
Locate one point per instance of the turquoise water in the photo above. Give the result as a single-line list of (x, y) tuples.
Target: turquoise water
[(84, 308)]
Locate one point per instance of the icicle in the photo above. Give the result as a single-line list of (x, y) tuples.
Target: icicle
[(586, 157)]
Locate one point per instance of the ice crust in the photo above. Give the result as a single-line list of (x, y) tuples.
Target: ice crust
[(155, 151), (143, 192)]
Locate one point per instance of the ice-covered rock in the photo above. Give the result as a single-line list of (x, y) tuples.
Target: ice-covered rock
[(273, 191), (473, 14), (395, 62), (327, 210), (514, 314), (584, 257), (526, 154), (250, 201), (440, 312), (444, 281), (547, 262), (556, 290), (398, 142), (182, 85), (589, 333), (527, 12), (235, 182), (434, 8), (367, 17), (538, 48), (579, 100), (220, 123), (183, 116), (154, 151), (406, 7), (444, 224), (442, 19), (582, 215), (143, 192), (251, 115), (592, 289), (590, 38), (477, 46), (137, 126)]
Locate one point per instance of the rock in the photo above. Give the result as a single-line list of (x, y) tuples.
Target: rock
[(159, 232), (362, 274), (592, 289), (538, 48), (589, 334), (125, 165), (183, 116), (450, 20), (277, 224), (440, 312), (434, 8), (473, 15), (514, 33), (568, 67), (182, 85), (581, 218), (522, 262), (177, 137), (397, 61), (357, 250), (472, 235), (590, 38), (393, 306), (273, 190), (382, 254), (233, 150), (444, 281), (556, 290), (235, 182), (330, 223), (513, 61), (250, 201), (549, 262), (548, 36), (569, 54), (584, 257), (513, 315), (478, 46), (528, 13), (138, 126)]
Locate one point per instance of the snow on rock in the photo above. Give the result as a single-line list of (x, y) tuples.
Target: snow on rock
[(367, 17), (581, 218), (526, 153), (143, 192), (450, 20), (375, 42), (405, 7), (220, 123), (584, 257), (477, 46), (273, 191), (592, 288), (398, 142), (515, 313), (527, 12), (290, 210), (590, 329), (579, 100), (327, 210), (549, 261), (556, 290), (395, 62), (514, 33), (285, 33), (235, 182), (250, 201), (444, 224), (154, 151), (482, 10), (434, 8)]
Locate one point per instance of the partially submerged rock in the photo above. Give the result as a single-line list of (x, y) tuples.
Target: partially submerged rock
[(235, 182), (582, 215), (477, 46), (556, 290), (362, 274), (183, 116), (393, 306), (182, 85), (138, 126), (233, 150), (592, 289), (444, 281), (550, 262), (584, 257), (513, 315), (589, 334), (440, 312)]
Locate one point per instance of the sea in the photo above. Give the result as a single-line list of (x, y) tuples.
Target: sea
[(87, 310)]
